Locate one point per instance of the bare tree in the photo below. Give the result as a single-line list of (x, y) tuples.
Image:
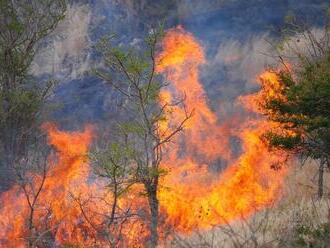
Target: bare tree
[(111, 165), (32, 172)]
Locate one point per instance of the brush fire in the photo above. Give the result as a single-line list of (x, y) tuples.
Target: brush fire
[(67, 205)]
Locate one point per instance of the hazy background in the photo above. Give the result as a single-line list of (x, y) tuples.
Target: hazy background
[(234, 34)]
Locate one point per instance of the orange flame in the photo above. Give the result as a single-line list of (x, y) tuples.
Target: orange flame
[(271, 87), (65, 175), (180, 60), (192, 196)]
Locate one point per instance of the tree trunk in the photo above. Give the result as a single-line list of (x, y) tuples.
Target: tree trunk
[(153, 204), (320, 183)]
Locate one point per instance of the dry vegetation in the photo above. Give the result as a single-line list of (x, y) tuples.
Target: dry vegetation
[(151, 180), (300, 219)]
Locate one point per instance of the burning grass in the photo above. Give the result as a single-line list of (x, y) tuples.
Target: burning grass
[(298, 220), (70, 209)]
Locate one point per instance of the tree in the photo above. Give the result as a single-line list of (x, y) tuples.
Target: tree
[(297, 100), (32, 173), (23, 24), (133, 75), (112, 165)]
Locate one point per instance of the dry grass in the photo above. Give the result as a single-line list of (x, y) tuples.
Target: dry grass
[(276, 226)]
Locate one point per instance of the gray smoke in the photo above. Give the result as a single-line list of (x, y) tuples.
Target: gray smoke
[(66, 54), (234, 34)]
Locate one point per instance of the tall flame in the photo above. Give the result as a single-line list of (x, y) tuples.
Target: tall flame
[(180, 60), (193, 196)]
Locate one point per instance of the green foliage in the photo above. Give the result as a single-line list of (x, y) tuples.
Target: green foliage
[(303, 109), (132, 72), (284, 142), (112, 163), (299, 102), (309, 236), (23, 24), (132, 127)]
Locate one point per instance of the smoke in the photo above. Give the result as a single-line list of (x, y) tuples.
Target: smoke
[(244, 61), (237, 64), (66, 54), (309, 43), (186, 8), (232, 70), (235, 44)]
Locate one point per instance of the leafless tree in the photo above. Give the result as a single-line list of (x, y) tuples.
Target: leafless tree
[(32, 172)]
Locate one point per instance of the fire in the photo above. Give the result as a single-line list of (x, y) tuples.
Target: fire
[(180, 59), (246, 186), (71, 170), (64, 176), (192, 196), (271, 87), (70, 209)]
